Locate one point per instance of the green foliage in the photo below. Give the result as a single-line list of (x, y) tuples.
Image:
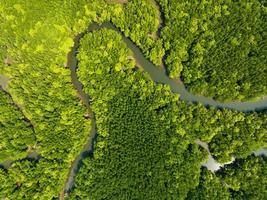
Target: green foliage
[(218, 47), (140, 21), (16, 133), (247, 178), (41, 85), (137, 160), (239, 136), (146, 143), (32, 180), (137, 154), (210, 187), (36, 37), (243, 179), (135, 116)]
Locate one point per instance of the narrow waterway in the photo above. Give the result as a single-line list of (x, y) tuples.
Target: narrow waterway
[(213, 165), (30, 156), (158, 75), (87, 151), (72, 64)]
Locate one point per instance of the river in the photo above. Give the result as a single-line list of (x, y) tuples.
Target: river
[(158, 75), (72, 63)]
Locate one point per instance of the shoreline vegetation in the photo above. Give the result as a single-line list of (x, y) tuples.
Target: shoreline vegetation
[(144, 130), (73, 62), (79, 181), (227, 63)]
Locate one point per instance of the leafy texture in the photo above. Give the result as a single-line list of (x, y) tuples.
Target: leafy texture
[(146, 137), (146, 146), (218, 47), (244, 179), (16, 133)]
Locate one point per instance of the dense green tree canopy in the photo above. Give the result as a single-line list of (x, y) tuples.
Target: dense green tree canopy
[(17, 136), (28, 179), (146, 136), (140, 20), (136, 157), (244, 179), (146, 145), (218, 47), (36, 37)]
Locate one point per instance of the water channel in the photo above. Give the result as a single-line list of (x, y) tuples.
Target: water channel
[(158, 75)]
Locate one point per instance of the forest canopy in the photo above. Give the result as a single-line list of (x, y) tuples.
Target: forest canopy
[(218, 48), (146, 138), (146, 145)]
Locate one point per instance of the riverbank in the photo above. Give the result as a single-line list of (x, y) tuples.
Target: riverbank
[(158, 75), (72, 64), (213, 165)]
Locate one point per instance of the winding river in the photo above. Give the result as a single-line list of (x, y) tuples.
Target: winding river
[(88, 147), (158, 75)]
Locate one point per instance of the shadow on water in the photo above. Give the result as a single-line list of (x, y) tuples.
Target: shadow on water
[(261, 152), (211, 164), (32, 156), (161, 17)]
